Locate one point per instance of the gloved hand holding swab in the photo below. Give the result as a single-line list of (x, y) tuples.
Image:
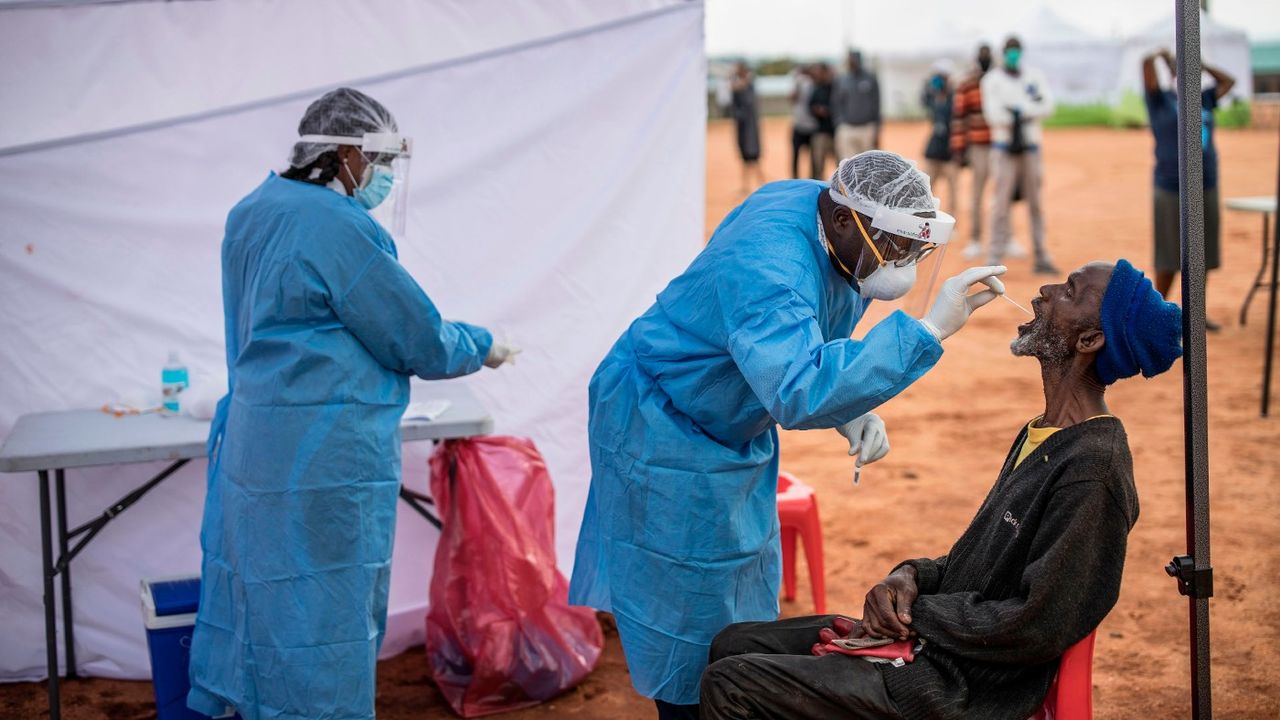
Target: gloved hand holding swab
[(867, 440)]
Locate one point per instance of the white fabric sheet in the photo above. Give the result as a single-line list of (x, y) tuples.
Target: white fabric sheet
[(557, 186), (1220, 45), (1081, 68)]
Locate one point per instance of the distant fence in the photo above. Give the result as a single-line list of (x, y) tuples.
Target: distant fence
[(769, 105)]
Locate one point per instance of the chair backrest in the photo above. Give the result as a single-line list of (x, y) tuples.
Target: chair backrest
[(1070, 696), (790, 488)]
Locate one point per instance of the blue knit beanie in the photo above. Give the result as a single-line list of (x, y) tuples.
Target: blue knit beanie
[(1143, 332)]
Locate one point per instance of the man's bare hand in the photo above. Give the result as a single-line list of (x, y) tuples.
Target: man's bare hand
[(886, 612)]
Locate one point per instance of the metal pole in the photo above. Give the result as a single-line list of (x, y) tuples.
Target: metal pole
[(1271, 306), (50, 620), (1195, 573), (68, 624)]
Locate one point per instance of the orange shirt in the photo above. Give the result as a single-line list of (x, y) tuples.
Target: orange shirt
[(968, 126)]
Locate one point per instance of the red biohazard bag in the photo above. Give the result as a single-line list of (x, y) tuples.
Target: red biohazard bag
[(500, 632)]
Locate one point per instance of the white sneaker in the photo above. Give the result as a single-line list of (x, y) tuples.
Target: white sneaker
[(1015, 250), (972, 250)]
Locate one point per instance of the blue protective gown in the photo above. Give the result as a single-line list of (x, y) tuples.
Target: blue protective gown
[(680, 535), (323, 329)]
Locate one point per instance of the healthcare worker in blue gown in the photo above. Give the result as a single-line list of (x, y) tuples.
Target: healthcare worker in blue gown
[(323, 329), (680, 534)]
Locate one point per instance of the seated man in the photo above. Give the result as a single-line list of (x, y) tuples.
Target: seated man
[(1036, 570)]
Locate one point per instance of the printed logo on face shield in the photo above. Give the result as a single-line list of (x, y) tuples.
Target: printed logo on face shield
[(924, 231)]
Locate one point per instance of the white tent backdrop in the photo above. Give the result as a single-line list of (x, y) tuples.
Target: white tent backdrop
[(1081, 68), (1078, 66), (1222, 46), (557, 185)]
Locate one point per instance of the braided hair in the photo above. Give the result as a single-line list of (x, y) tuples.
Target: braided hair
[(320, 171)]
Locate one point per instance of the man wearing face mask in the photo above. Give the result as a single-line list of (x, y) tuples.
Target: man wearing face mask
[(680, 533), (323, 329), (1014, 101)]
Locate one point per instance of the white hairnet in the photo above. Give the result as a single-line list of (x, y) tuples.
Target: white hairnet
[(344, 112), (885, 179)]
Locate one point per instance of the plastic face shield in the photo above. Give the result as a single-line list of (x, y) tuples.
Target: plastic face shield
[(902, 238), (899, 237), (391, 150)]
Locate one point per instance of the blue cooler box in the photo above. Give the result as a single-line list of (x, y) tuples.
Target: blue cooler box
[(169, 608)]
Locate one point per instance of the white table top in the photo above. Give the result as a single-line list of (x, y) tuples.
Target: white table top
[(84, 438), (1258, 204)]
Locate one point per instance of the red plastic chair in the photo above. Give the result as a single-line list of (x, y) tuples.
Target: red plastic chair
[(798, 515), (1071, 694)]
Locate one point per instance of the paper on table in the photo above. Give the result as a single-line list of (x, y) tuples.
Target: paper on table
[(426, 409)]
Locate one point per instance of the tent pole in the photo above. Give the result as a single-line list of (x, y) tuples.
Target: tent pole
[(1193, 571)]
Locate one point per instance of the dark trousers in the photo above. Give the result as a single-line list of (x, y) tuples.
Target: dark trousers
[(667, 711), (765, 670), (799, 139)]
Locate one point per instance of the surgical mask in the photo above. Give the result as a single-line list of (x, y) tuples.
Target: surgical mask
[(888, 282), (1011, 57), (374, 186), (984, 64), (938, 82)]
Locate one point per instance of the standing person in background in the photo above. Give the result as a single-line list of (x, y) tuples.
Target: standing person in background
[(856, 99), (937, 98), (971, 145), (746, 119), (803, 123), (823, 142), (1014, 101), (1162, 109)]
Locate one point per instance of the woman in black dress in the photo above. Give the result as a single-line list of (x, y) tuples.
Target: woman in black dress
[(746, 117)]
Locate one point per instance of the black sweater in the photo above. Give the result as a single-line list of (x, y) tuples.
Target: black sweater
[(1036, 571)]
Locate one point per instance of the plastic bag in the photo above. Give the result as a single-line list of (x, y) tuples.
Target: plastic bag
[(500, 632)]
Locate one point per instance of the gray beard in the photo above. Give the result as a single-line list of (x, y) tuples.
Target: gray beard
[(1039, 344)]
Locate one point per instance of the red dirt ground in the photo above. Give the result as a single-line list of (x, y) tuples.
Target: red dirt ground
[(950, 433)]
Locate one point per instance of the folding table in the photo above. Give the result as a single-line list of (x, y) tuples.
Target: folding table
[(1266, 206), (57, 441)]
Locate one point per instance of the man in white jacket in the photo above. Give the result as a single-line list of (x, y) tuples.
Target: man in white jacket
[(1014, 100)]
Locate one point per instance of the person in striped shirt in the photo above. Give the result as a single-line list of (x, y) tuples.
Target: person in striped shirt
[(971, 144)]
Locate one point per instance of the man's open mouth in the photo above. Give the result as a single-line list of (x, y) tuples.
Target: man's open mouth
[(1035, 308)]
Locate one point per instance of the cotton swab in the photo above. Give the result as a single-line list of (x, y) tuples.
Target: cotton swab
[(1014, 303)]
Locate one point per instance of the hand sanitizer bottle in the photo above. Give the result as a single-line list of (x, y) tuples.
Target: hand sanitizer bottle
[(173, 380)]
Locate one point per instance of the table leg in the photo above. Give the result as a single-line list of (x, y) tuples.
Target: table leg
[(1271, 331), (68, 625), (50, 621), (1262, 270), (416, 501)]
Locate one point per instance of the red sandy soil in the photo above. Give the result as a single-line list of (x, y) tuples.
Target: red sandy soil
[(950, 433)]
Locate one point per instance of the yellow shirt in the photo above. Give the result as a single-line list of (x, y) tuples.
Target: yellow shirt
[(1036, 436)]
